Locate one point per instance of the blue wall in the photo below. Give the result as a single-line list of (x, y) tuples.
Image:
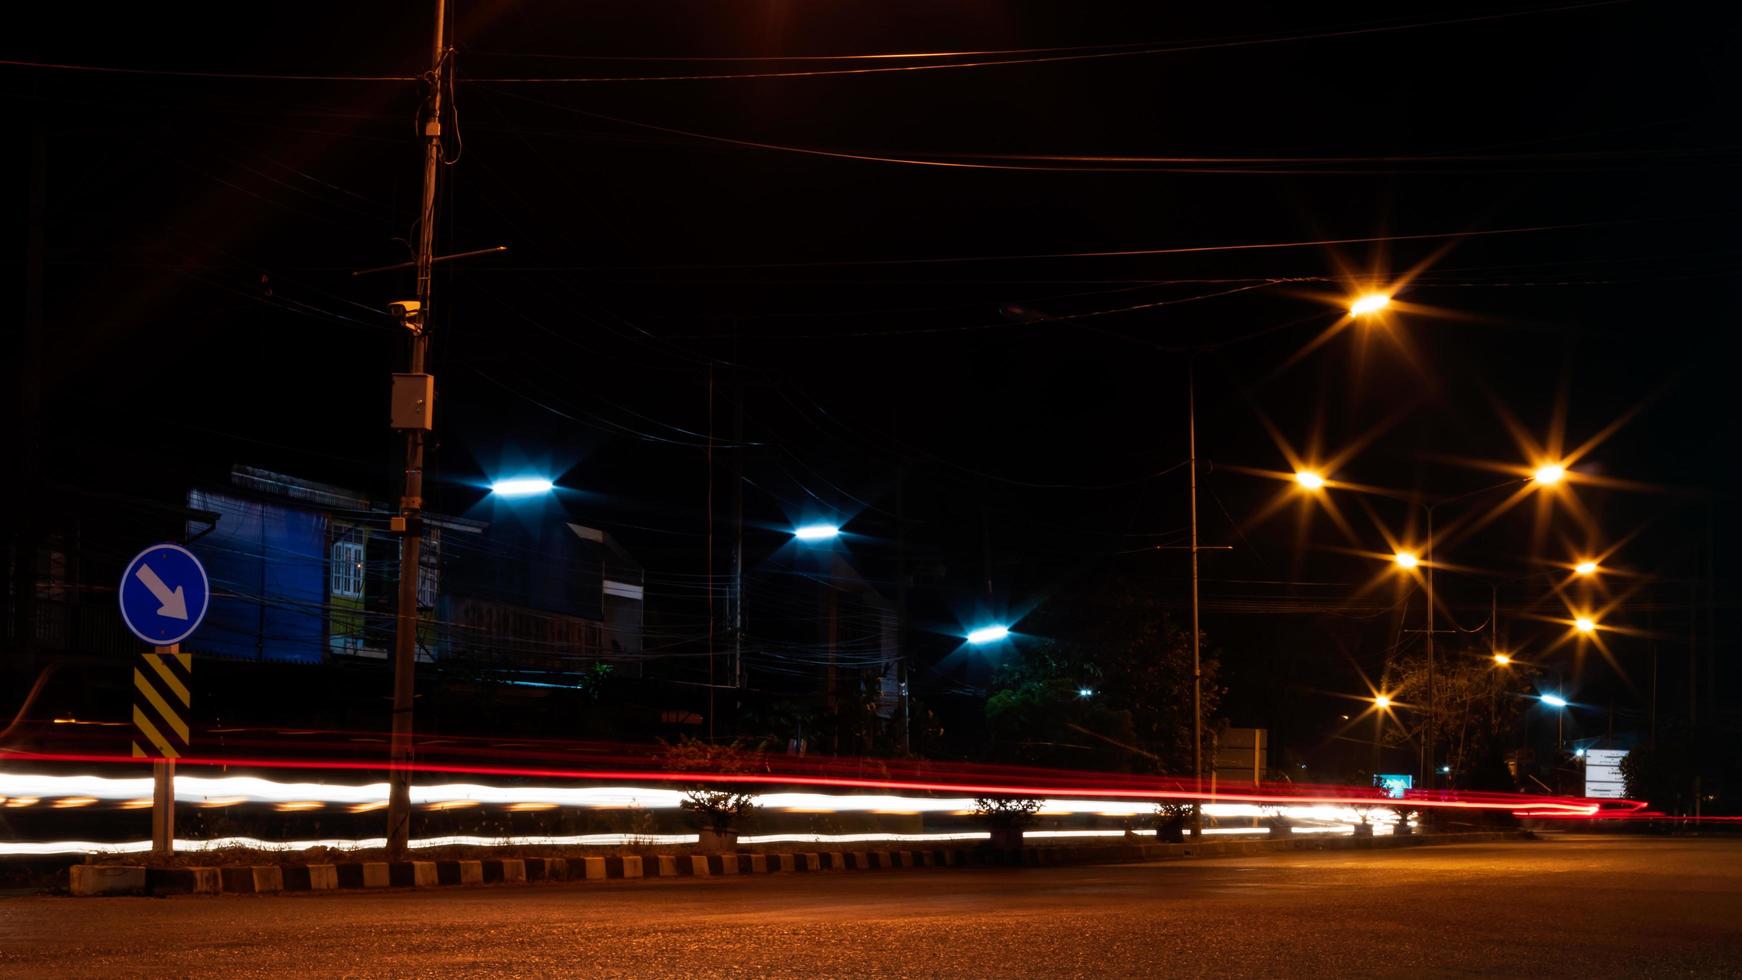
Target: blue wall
[(268, 568)]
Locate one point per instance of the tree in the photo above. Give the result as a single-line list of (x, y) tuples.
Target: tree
[(1112, 691), (1475, 707)]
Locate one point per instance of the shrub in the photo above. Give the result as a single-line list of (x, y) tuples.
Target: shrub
[(1011, 812), (714, 805)]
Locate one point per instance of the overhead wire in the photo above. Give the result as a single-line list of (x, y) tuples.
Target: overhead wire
[(1075, 55)]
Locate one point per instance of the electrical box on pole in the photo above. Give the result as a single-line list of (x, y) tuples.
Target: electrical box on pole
[(414, 401)]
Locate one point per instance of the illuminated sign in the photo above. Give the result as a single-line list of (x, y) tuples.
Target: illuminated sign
[(1394, 784), (1603, 777)]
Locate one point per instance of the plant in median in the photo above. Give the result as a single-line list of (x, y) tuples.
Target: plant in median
[(716, 806), (1402, 827), (1006, 816), (1170, 824), (1276, 821)]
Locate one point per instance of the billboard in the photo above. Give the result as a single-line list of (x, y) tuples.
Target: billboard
[(1394, 784), (1603, 777)]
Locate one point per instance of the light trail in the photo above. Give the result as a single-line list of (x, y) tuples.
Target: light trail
[(639, 796), (232, 790), (189, 846)]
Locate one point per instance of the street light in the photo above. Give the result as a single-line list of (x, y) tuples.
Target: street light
[(1558, 703), (988, 634), (1369, 303), (1406, 559), (1585, 568), (1308, 480), (817, 532), (1381, 702), (522, 486), (1585, 624), (1549, 474), (1502, 659)]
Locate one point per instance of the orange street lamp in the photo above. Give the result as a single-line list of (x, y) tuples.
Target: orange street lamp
[(1308, 480), (1549, 474), (1406, 559), (1502, 659), (1381, 702), (1585, 624), (1585, 568), (1369, 303)]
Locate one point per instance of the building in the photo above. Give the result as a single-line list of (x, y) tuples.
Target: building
[(304, 572), (519, 620)]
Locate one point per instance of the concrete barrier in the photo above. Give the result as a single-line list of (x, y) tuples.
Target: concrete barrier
[(722, 864), (660, 865), (413, 874), (106, 879), (182, 881), (623, 866), (310, 877), (587, 869), (545, 869), (459, 872), (806, 861), (259, 879), (504, 870), (363, 874), (756, 864)]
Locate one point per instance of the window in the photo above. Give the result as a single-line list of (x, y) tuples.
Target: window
[(429, 563), (347, 565)]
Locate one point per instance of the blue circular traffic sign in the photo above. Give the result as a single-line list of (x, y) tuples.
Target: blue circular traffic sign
[(164, 594)]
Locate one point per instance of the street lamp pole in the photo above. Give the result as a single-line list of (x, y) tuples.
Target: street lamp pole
[(1197, 663), (1427, 742)]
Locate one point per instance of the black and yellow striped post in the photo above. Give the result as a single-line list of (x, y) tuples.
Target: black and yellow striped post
[(162, 697)]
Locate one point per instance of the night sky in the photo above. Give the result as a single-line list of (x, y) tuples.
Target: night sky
[(910, 271)]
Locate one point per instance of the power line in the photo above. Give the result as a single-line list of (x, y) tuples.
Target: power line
[(218, 75), (1069, 55)]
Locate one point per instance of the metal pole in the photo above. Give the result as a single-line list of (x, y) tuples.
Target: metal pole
[(1427, 742), (905, 648), (713, 600), (163, 797), (1694, 681), (411, 500), (1197, 664), (163, 809), (737, 540)]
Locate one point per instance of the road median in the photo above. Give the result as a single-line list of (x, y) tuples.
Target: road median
[(296, 877)]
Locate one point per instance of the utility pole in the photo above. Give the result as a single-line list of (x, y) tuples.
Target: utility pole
[(713, 600), (410, 520), (1197, 664), (905, 666), (737, 539), (1428, 733), (24, 488)]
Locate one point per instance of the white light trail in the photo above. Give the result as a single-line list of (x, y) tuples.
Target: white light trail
[(186, 846), (232, 790)]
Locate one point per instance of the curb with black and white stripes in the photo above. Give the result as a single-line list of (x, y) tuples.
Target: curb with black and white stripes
[(103, 879)]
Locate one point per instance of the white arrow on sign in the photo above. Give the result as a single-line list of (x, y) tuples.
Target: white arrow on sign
[(173, 604)]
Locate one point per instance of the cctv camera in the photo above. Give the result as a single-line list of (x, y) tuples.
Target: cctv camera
[(404, 309)]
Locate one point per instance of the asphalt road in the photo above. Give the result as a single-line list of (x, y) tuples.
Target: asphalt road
[(1570, 906)]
